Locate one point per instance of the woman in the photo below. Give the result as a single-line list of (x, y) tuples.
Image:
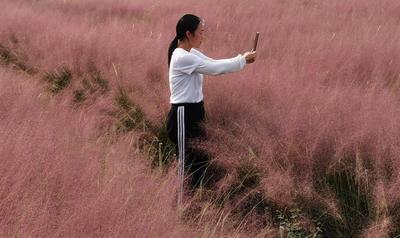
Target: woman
[(186, 68)]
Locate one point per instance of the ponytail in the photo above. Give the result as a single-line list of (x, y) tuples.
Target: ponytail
[(172, 46), (189, 23)]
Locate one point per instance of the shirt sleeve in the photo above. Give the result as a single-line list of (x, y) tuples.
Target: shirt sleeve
[(201, 55), (199, 63), (188, 63)]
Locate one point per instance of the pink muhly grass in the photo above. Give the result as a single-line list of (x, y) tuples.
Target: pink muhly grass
[(322, 94), (59, 180)]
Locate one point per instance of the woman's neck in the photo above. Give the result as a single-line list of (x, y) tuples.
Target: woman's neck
[(185, 45)]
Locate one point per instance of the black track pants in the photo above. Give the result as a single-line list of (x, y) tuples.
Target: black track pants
[(184, 123)]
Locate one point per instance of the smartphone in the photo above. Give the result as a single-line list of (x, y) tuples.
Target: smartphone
[(256, 41)]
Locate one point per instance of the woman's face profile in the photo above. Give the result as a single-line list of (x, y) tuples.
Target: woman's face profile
[(197, 38)]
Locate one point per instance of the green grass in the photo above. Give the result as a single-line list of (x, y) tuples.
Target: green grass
[(99, 80), (58, 79), (7, 56), (79, 96), (90, 83), (167, 147), (16, 59), (290, 224), (131, 116), (353, 201), (94, 82)]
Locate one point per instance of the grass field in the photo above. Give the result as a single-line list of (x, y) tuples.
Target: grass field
[(305, 142)]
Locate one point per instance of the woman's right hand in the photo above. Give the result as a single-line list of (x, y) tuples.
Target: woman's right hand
[(250, 56)]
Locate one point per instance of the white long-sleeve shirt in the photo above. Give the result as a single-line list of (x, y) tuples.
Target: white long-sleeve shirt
[(186, 73)]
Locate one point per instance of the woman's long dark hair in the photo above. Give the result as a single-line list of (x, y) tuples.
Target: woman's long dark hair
[(189, 23)]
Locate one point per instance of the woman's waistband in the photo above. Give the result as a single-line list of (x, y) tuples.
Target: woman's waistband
[(190, 104)]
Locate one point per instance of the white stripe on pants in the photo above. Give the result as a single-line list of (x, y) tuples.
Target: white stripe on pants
[(181, 150)]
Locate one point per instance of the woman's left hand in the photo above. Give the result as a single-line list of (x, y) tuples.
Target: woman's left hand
[(250, 56)]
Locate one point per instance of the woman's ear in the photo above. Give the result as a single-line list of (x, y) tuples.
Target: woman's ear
[(189, 35)]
